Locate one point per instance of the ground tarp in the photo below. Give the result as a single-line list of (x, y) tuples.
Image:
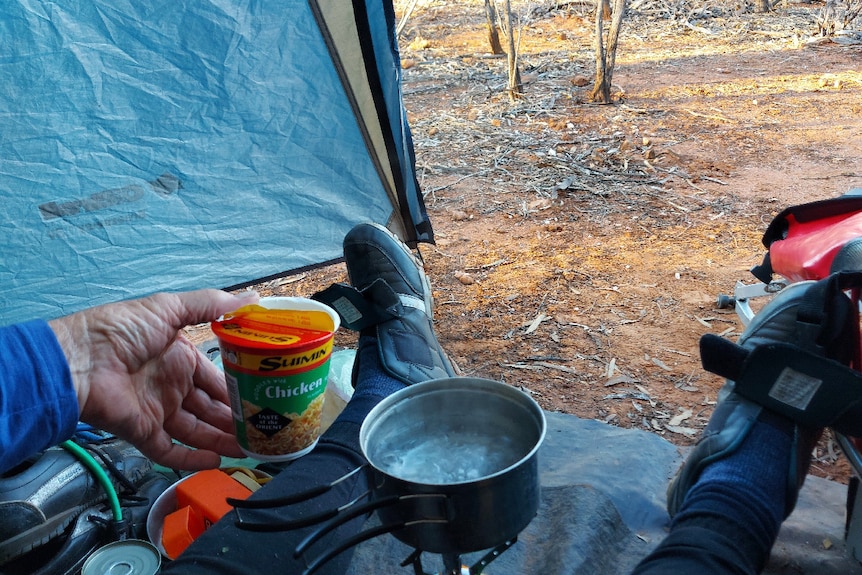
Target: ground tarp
[(171, 145), (602, 510)]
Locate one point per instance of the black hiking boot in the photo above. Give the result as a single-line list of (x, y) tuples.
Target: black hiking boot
[(390, 298), (44, 495), (92, 529), (734, 416)]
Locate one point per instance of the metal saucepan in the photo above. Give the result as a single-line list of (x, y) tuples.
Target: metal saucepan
[(474, 441), (454, 468)]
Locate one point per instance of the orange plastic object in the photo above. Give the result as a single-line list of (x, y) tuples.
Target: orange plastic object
[(179, 530), (207, 491)]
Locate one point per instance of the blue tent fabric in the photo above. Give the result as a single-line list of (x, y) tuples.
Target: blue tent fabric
[(185, 144)]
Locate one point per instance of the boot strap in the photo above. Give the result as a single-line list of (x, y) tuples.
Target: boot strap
[(373, 305), (811, 390)]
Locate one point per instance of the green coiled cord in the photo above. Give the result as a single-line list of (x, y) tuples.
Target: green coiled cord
[(90, 463)]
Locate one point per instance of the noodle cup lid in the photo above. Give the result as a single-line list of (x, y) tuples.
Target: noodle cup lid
[(255, 327)]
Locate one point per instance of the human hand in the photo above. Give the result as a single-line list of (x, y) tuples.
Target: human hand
[(137, 376)]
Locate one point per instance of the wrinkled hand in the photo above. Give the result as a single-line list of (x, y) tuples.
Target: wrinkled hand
[(138, 377)]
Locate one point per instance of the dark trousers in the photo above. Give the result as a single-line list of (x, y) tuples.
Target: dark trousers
[(227, 549)]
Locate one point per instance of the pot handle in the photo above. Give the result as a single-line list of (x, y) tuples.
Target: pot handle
[(335, 522), (353, 512), (294, 498), (288, 524), (318, 561)]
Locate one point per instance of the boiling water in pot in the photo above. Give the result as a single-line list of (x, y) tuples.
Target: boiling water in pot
[(451, 457)]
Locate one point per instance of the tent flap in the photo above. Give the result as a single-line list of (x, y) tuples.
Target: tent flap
[(178, 145)]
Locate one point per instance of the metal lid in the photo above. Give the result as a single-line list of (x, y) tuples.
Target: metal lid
[(130, 557)]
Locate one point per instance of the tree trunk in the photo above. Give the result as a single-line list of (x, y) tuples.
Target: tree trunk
[(515, 88), (606, 9), (606, 58), (602, 89), (762, 6), (493, 34)]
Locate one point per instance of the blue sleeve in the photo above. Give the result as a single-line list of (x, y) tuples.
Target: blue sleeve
[(38, 403)]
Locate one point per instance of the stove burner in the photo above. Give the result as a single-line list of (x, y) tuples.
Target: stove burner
[(452, 563)]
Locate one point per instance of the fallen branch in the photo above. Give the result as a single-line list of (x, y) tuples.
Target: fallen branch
[(699, 28), (562, 368), (710, 116)]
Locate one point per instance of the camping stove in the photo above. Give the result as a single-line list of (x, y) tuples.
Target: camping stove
[(453, 565), (431, 513)]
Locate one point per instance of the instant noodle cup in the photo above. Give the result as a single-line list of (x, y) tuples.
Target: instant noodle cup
[(276, 358)]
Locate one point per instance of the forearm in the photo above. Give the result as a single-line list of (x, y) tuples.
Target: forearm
[(70, 332), (38, 404)]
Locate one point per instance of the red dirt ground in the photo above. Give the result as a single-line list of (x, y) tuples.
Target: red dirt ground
[(580, 247)]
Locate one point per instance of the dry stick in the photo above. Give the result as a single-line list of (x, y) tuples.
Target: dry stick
[(699, 29), (710, 116), (403, 22), (450, 184), (840, 175), (693, 185)]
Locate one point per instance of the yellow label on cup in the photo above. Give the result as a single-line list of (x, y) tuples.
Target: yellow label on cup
[(268, 363), (276, 364)]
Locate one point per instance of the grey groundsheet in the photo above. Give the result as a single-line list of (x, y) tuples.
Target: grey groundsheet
[(603, 509)]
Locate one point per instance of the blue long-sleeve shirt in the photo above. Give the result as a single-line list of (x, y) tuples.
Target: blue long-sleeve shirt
[(38, 404)]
